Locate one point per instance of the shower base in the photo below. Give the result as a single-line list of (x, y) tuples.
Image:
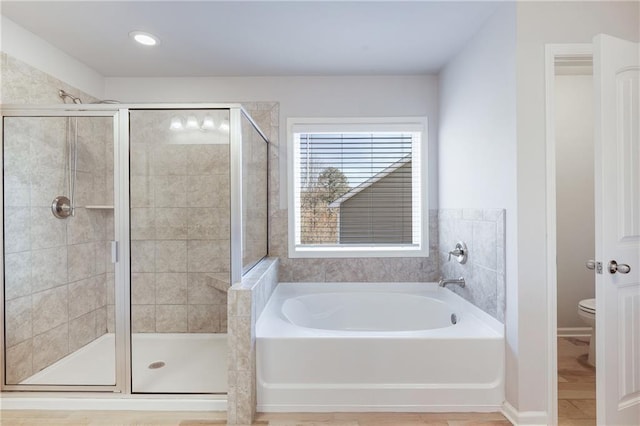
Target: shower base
[(193, 363)]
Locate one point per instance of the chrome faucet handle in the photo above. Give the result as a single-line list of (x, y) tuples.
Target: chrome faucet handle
[(456, 252), (460, 252)]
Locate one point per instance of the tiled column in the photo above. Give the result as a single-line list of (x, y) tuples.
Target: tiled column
[(246, 300)]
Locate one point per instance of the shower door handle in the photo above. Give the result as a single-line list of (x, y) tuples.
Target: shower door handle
[(114, 252)]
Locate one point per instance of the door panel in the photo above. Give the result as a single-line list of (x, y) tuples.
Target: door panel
[(630, 360), (58, 275), (628, 154), (180, 245), (617, 95)]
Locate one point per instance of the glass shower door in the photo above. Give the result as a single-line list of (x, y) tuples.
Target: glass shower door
[(180, 250), (59, 304)]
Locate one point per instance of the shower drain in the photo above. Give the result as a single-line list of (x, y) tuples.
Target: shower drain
[(157, 364)]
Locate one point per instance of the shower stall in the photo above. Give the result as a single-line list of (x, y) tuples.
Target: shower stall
[(123, 228)]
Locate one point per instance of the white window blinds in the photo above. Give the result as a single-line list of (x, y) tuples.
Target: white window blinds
[(355, 189)]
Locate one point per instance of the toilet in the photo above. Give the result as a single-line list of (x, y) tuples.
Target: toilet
[(587, 311)]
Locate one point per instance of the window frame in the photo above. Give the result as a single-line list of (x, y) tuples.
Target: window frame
[(297, 125)]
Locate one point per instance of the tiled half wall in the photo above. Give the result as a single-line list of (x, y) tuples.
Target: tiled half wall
[(247, 299)]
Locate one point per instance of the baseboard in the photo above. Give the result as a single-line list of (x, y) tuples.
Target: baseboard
[(17, 401), (376, 408), (528, 418), (574, 331)]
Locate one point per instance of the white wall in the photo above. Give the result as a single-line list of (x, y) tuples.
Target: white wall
[(539, 23), (340, 96), (33, 50), (477, 119), (477, 144), (574, 194)]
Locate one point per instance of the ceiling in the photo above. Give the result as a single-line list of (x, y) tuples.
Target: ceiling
[(241, 38)]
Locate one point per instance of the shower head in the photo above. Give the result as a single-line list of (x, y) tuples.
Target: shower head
[(64, 95)]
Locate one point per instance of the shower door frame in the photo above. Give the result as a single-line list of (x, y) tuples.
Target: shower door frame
[(121, 224)]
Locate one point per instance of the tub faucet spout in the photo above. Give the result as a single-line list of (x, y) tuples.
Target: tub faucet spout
[(459, 281)]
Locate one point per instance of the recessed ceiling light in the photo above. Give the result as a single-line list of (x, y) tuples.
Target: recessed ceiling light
[(144, 38)]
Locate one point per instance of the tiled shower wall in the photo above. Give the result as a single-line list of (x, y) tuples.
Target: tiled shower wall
[(482, 230), (21, 84), (180, 255), (57, 271)]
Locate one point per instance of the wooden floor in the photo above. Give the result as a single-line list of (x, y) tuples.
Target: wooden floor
[(139, 418), (576, 383)]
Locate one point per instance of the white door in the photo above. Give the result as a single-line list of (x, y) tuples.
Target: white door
[(617, 97)]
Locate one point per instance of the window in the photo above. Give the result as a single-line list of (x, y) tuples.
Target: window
[(357, 187)]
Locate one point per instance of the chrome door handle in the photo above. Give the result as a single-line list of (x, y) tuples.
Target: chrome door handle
[(590, 264), (618, 267)]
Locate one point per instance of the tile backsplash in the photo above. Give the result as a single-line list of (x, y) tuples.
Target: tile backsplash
[(483, 231), (378, 269)]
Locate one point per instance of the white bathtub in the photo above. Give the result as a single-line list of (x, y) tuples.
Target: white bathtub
[(377, 347)]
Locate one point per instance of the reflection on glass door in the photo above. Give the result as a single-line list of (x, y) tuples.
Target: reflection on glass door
[(180, 260), (58, 275)]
